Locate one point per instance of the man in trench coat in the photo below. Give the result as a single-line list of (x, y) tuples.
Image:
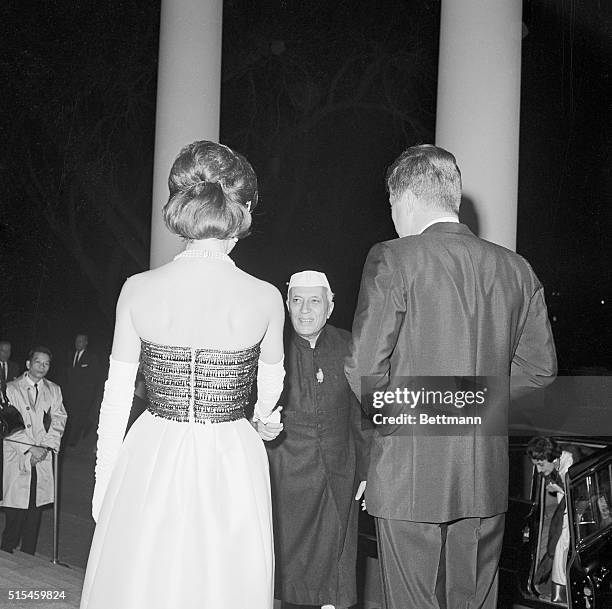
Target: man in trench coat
[(28, 472)]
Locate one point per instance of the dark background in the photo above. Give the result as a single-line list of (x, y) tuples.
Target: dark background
[(321, 96)]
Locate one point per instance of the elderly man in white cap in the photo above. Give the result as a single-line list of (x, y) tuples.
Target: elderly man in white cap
[(319, 460)]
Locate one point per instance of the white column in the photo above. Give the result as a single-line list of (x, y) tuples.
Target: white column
[(479, 82), (188, 98)]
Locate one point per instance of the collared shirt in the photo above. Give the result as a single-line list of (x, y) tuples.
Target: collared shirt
[(27, 378), (77, 357), (33, 388), (442, 219)]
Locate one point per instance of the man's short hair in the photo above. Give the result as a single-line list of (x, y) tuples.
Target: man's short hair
[(39, 349), (430, 174), (542, 448)]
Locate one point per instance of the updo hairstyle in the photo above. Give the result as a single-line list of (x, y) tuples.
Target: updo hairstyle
[(211, 187)]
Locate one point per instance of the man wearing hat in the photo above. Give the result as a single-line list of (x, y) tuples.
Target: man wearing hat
[(318, 461)]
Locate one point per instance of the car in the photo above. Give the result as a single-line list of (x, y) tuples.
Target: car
[(588, 487), (589, 562)]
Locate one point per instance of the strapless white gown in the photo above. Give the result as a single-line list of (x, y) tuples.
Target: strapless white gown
[(186, 520)]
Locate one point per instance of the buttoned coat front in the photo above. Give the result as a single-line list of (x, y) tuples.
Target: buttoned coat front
[(49, 408)]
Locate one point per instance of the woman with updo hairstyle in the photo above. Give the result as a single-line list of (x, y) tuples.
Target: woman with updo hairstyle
[(213, 191), (182, 505)]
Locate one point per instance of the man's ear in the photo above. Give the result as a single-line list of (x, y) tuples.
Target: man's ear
[(27, 364), (330, 308)]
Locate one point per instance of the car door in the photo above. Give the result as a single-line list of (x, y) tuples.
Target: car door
[(589, 485)]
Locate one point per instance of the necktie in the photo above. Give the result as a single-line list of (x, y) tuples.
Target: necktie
[(4, 372), (33, 394)]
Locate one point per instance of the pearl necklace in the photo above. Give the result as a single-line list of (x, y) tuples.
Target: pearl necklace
[(198, 253)]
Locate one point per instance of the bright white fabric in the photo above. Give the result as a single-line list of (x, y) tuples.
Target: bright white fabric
[(562, 547), (454, 219), (309, 279), (269, 387), (114, 415), (186, 521)]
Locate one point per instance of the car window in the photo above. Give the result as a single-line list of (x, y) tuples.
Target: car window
[(592, 500)]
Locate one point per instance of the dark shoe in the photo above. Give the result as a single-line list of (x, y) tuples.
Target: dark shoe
[(6, 550)]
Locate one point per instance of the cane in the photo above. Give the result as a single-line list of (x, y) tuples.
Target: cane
[(55, 559)]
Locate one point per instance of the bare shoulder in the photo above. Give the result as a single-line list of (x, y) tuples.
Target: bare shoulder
[(135, 284), (262, 290), (145, 277), (271, 292)]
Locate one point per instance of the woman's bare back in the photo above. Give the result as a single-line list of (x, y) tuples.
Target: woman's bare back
[(202, 303)]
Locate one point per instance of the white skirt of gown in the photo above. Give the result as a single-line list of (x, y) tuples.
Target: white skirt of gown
[(186, 522)]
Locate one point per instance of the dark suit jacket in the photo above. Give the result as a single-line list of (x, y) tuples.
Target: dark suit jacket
[(81, 382), (437, 304), (13, 370)]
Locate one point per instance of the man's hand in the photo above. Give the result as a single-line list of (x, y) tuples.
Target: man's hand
[(359, 494), (37, 454), (269, 431)]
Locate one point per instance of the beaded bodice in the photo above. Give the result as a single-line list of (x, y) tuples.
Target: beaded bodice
[(187, 384)]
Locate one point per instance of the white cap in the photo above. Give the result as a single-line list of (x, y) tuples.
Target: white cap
[(308, 279)]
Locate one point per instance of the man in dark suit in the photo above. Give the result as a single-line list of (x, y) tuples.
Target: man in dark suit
[(80, 387), (9, 370), (440, 302)]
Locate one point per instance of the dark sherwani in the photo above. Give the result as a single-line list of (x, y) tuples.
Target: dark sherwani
[(316, 465)]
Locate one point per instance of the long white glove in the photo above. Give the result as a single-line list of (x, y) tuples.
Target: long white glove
[(114, 414), (269, 387)]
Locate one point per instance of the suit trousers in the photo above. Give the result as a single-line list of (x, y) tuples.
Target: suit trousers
[(23, 524), (452, 565)]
